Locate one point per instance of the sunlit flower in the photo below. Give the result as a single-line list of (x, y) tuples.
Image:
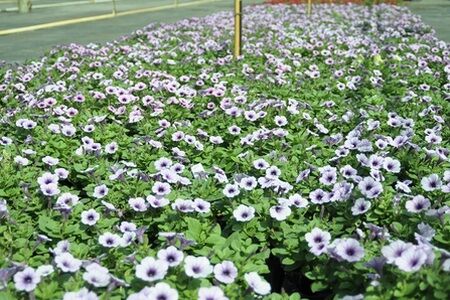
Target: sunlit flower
[(350, 250), (280, 212), (197, 267), (109, 240), (244, 213), (90, 217), (171, 255), (100, 191), (411, 260), (431, 183), (231, 190), (160, 291), (83, 294), (417, 204), (394, 250), (370, 188), (225, 272), (360, 207), (151, 269), (26, 280), (257, 284), (211, 293), (317, 236), (67, 263)]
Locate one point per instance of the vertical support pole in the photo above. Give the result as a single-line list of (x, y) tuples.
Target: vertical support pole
[(309, 8), (24, 6), (237, 28), (114, 11), (177, 2)]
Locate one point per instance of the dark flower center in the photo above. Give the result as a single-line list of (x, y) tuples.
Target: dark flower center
[(28, 279), (350, 251), (414, 262)]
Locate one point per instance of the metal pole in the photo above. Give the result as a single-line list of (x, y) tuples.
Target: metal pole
[(237, 27), (309, 8), (114, 12), (24, 6)]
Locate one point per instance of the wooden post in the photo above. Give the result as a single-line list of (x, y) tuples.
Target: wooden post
[(24, 6), (237, 27), (309, 8)]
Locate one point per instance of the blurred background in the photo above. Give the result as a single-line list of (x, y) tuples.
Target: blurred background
[(28, 28)]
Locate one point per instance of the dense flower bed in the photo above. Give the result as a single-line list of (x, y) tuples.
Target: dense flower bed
[(157, 167)]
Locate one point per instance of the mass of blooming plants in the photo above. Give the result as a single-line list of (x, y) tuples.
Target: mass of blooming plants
[(316, 166)]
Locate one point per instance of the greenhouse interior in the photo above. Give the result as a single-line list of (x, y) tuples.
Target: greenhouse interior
[(224, 149)]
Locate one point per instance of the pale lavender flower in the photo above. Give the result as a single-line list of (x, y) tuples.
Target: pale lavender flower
[(61, 173), (395, 250), (111, 148), (257, 284), (391, 165), (280, 212), (50, 189), (431, 183), (211, 293), (298, 201), (183, 205), (157, 202), (160, 291), (411, 260), (273, 172), (127, 227), (161, 188), (417, 204), (97, 275), (317, 236), (248, 183), (361, 206), (370, 188), (197, 267), (349, 250), (26, 280), (231, 190), (51, 161), (201, 206), (83, 294), (225, 272), (100, 191), (162, 163), (319, 196), (171, 255), (67, 263), (244, 213), (109, 240), (48, 178), (151, 269), (90, 217), (138, 204)]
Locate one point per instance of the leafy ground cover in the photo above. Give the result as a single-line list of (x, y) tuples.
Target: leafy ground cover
[(157, 167)]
